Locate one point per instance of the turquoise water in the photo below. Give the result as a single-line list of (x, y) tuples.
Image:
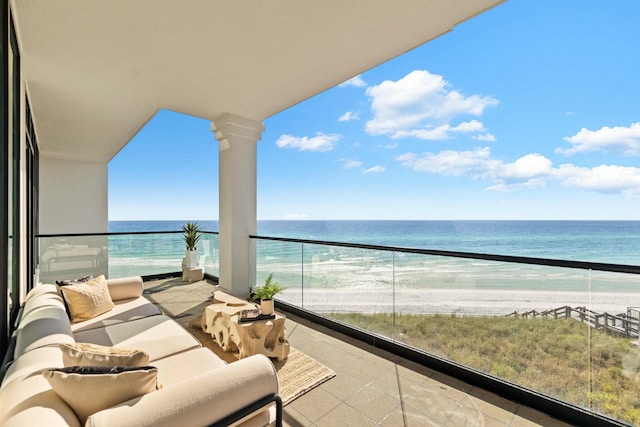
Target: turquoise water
[(322, 266), (615, 242), (305, 268)]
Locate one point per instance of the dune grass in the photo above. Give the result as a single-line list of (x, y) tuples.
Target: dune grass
[(563, 358)]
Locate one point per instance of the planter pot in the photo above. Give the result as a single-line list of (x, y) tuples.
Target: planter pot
[(266, 306), (191, 259)]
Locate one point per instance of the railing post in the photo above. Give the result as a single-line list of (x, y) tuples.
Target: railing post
[(626, 327), (393, 289)]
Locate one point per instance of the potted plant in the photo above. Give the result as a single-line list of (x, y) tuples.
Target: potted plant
[(265, 294), (191, 236)]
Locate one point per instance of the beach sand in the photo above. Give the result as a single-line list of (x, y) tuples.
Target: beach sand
[(469, 302)]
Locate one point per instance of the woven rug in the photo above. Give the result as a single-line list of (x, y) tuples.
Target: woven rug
[(297, 374)]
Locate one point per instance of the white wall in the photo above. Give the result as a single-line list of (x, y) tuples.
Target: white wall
[(73, 197)]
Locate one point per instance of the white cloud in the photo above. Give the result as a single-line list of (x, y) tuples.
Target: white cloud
[(375, 169), (422, 105), (320, 142), (603, 178), (479, 164), (350, 164), (441, 132), (526, 167), (348, 116), (448, 162), (529, 171), (355, 82), (615, 140)]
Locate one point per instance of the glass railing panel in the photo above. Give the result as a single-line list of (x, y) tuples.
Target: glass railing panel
[(120, 255), (568, 333), (284, 260), (157, 253), (145, 254), (512, 321), (61, 258), (614, 301), (209, 253), (351, 285)]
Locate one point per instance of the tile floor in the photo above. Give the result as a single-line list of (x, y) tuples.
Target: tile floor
[(371, 387)]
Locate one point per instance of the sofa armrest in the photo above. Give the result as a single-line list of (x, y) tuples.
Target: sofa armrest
[(202, 400), (125, 288)]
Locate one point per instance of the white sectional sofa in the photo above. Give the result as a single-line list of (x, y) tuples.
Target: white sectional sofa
[(197, 387)]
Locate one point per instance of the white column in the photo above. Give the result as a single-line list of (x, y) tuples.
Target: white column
[(237, 138)]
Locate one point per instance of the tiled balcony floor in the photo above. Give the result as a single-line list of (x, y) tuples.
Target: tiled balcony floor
[(371, 387)]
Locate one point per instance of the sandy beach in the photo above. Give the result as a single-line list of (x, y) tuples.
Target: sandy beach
[(468, 302)]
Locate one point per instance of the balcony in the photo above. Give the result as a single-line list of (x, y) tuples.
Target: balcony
[(372, 386), (359, 308)]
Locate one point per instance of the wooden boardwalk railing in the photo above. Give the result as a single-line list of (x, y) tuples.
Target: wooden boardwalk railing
[(626, 324)]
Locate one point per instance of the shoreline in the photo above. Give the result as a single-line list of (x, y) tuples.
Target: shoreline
[(468, 302)]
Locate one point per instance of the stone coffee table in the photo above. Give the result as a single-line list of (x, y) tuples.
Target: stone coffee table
[(221, 320)]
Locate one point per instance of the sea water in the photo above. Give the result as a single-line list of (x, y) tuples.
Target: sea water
[(326, 267), (326, 277), (616, 242)]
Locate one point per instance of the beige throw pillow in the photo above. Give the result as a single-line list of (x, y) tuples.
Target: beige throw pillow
[(87, 300), (88, 390), (87, 354), (67, 282)]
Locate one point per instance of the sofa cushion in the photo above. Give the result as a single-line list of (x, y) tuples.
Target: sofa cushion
[(89, 389), (87, 300), (123, 311), (201, 400), (40, 296), (183, 366), (87, 354), (30, 401), (33, 361), (160, 336), (42, 289), (42, 326)]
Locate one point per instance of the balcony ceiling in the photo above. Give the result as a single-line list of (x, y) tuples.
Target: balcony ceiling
[(98, 70)]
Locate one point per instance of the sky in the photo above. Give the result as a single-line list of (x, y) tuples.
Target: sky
[(528, 111)]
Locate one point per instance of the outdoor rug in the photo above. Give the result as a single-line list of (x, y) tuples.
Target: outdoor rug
[(297, 374)]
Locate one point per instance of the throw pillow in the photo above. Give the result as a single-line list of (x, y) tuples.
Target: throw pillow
[(60, 283), (87, 354), (88, 389), (74, 281), (87, 300)]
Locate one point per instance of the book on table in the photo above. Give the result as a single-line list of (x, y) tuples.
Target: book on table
[(253, 315)]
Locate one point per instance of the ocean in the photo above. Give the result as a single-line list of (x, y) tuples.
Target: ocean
[(616, 242), (325, 278)]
